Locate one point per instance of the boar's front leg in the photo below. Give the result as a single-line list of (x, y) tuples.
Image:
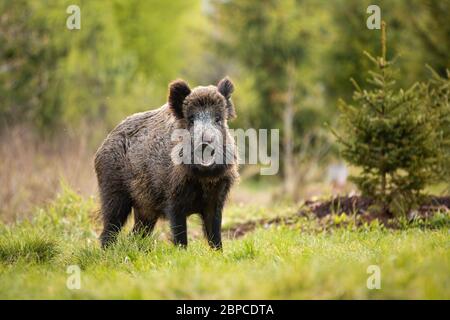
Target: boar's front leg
[(177, 219), (212, 226), (212, 217)]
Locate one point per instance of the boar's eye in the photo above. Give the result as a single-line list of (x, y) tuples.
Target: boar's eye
[(191, 120), (218, 119)]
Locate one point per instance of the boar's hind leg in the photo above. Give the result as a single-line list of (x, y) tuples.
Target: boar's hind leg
[(115, 210)]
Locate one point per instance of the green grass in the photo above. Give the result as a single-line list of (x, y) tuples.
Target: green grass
[(311, 259)]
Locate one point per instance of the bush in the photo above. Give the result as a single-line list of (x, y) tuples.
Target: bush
[(394, 136)]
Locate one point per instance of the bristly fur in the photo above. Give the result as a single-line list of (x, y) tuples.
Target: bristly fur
[(135, 170)]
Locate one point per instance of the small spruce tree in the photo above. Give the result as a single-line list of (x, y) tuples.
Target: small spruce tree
[(390, 134)]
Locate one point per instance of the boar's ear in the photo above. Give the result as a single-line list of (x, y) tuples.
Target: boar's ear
[(178, 91), (226, 88)]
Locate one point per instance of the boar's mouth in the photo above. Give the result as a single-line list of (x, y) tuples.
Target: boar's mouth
[(204, 154)]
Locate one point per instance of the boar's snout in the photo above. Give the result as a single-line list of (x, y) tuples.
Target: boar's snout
[(206, 143), (204, 154)]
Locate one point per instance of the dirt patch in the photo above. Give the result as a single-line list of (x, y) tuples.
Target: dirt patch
[(351, 205), (362, 205)]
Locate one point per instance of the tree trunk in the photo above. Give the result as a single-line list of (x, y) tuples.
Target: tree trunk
[(288, 137)]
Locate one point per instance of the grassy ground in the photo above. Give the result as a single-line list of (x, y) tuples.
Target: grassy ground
[(306, 260)]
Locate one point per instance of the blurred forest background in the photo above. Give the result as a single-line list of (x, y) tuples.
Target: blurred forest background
[(62, 90)]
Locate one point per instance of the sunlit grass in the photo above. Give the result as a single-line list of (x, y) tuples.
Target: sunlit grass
[(280, 262)]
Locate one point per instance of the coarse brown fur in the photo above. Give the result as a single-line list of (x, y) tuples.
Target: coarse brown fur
[(135, 169)]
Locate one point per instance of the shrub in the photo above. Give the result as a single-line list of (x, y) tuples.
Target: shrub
[(394, 136)]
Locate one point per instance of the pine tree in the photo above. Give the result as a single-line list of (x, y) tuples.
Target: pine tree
[(390, 134), (436, 93)]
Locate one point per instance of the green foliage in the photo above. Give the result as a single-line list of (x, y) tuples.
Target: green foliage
[(113, 66), (28, 61), (116, 65), (436, 94), (271, 46), (394, 136), (431, 28), (420, 38)]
